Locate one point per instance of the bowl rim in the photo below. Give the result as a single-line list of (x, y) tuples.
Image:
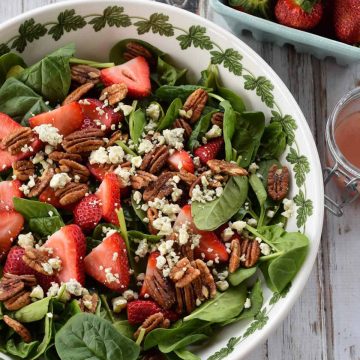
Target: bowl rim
[(301, 278)]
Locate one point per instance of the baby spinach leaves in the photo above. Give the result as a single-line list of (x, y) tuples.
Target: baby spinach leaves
[(137, 123), (171, 114), (211, 215), (43, 219), (33, 312), (240, 275), (168, 74), (261, 195), (228, 128), (273, 142), (7, 62), (168, 93), (87, 336)]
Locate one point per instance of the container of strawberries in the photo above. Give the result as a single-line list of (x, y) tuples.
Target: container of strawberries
[(323, 28)]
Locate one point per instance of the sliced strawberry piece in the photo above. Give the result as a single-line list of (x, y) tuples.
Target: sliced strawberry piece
[(135, 74), (67, 118), (9, 190), (69, 244), (151, 266), (181, 160), (108, 263), (11, 224), (7, 125), (109, 195), (210, 150), (98, 171), (94, 109), (48, 196), (88, 213), (139, 310)]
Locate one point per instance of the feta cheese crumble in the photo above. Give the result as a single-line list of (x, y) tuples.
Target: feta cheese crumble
[(59, 181), (26, 240), (49, 134)]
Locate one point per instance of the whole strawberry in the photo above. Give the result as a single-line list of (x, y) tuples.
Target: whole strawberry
[(347, 21), (299, 14)]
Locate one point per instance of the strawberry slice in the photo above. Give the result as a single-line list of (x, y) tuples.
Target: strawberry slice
[(94, 109), (15, 265), (88, 213), (67, 118), (151, 266), (210, 150), (48, 196), (139, 310), (134, 73), (11, 224), (98, 171), (7, 125), (108, 263), (69, 244), (210, 246), (109, 195), (9, 190), (181, 160)]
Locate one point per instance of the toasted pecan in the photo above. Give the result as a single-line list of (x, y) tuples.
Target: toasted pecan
[(85, 74), (114, 93), (18, 301), (77, 171), (249, 252), (78, 93), (134, 49), (142, 179), (183, 124), (71, 193), (152, 322), (19, 328), (83, 141), (17, 139), (278, 182), (234, 261), (23, 169), (155, 160), (60, 155), (42, 182), (159, 188), (35, 258), (225, 167), (195, 104)]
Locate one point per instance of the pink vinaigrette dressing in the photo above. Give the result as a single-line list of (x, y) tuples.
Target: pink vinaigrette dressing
[(347, 137)]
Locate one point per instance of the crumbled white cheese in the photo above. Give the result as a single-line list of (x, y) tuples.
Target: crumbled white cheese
[(247, 303), (74, 287), (265, 249), (48, 149), (222, 275), (118, 304), (55, 263), (288, 207), (270, 214), (124, 174), (238, 226), (53, 289), (227, 234), (137, 196), (145, 146), (163, 225), (186, 114), (110, 277), (60, 180), (112, 155), (37, 293), (99, 156), (153, 111), (183, 234), (142, 249), (222, 285), (49, 134), (116, 154), (26, 240), (214, 132), (253, 168), (130, 295), (174, 137), (252, 222), (136, 161), (126, 109), (38, 158), (160, 262)]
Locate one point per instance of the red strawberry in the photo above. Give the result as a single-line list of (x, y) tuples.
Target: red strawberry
[(94, 109), (299, 14), (7, 125), (139, 310), (48, 196), (11, 224), (98, 171), (15, 265), (209, 245), (109, 195), (9, 190), (151, 266), (67, 118), (108, 263), (69, 244), (210, 150), (181, 160), (134, 73), (347, 21), (88, 213)]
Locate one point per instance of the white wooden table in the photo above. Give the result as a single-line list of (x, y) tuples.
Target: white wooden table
[(325, 322)]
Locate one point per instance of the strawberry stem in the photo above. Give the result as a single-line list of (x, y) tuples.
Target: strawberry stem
[(307, 5), (91, 63)]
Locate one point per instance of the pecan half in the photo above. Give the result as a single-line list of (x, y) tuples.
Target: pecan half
[(116, 136), (217, 119), (134, 49), (83, 141), (8, 289), (42, 182), (152, 322), (88, 303), (17, 139), (195, 103), (71, 193), (114, 93), (183, 273), (278, 182), (78, 93), (183, 124), (225, 167), (187, 177), (19, 328), (85, 74), (207, 279), (160, 289), (28, 280), (59, 155), (152, 215), (234, 261), (142, 179), (18, 301), (77, 171), (159, 188), (249, 252), (155, 160), (23, 169), (36, 258)]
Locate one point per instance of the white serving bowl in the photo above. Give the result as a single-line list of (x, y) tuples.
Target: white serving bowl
[(240, 69)]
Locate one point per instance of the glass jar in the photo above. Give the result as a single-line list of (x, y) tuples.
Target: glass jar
[(345, 173)]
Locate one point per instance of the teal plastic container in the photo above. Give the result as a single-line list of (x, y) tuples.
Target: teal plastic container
[(304, 42)]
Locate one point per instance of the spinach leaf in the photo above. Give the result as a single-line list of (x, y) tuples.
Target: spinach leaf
[(51, 76), (236, 102), (21, 349), (134, 234), (171, 115), (183, 342), (33, 312), (209, 77), (8, 61), (124, 328), (38, 216), (87, 336), (240, 275), (118, 50), (168, 74), (200, 129), (18, 100), (228, 128), (186, 354), (264, 167), (137, 123), (168, 92), (98, 233), (211, 215), (248, 132), (261, 195), (273, 142), (223, 307)]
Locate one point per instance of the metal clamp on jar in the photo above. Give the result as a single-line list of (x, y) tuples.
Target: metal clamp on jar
[(343, 157)]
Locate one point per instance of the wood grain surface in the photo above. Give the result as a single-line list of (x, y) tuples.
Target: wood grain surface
[(325, 322)]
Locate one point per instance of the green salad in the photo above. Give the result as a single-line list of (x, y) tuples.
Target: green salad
[(140, 210)]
